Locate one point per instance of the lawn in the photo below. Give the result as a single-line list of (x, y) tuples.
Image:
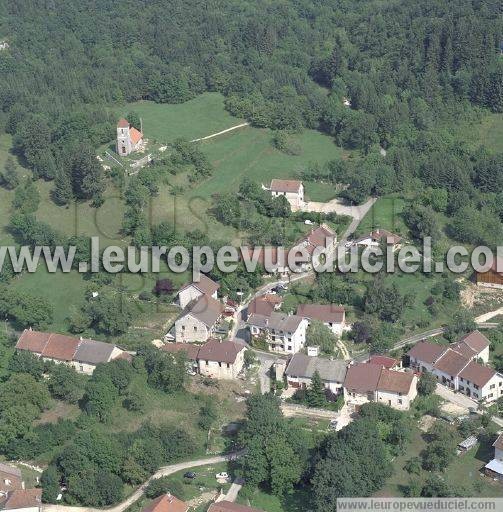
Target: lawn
[(193, 119), (319, 192), (385, 214), (486, 131)]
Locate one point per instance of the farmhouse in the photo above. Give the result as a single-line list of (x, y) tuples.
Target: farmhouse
[(376, 237), (10, 479), (129, 139), (334, 317), (199, 320), (494, 468), (24, 500), (194, 290), (221, 359), (284, 333), (84, 355), (292, 190), (456, 366), (493, 278), (367, 382), (166, 503), (301, 368)]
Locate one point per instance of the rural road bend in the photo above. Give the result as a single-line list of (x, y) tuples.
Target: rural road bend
[(164, 471)]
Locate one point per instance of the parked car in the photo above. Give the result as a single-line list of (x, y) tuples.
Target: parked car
[(222, 476), (333, 424), (190, 474)]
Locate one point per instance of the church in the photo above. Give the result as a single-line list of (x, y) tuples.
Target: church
[(128, 138)]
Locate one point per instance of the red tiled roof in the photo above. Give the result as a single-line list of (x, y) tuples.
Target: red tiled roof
[(451, 363), (322, 312), (386, 362), (12, 475), (23, 498), (426, 351), (135, 135), (395, 382), (228, 506), (362, 377), (477, 373), (191, 349), (34, 341), (475, 340), (122, 123), (220, 351), (204, 285), (61, 347), (318, 236), (261, 307), (285, 185), (166, 503)]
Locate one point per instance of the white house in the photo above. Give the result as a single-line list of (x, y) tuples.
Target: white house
[(334, 317), (199, 320), (83, 354), (284, 333), (292, 190), (194, 290), (375, 238), (367, 382), (494, 468), (456, 366), (301, 368), (221, 359)]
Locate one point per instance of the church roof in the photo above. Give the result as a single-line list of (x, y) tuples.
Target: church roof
[(123, 123), (135, 135)]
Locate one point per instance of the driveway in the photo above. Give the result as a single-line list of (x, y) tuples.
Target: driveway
[(340, 208), (165, 471)]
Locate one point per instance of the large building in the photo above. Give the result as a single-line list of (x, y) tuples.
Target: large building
[(457, 366), (128, 138), (216, 358), (83, 354), (301, 368), (367, 382), (334, 317), (284, 333)]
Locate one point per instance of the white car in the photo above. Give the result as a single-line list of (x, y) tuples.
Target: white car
[(222, 476)]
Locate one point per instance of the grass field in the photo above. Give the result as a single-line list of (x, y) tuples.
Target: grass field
[(385, 214), (196, 118), (486, 131)]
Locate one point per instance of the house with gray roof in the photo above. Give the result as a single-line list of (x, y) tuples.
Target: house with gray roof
[(199, 320), (301, 368), (284, 333)]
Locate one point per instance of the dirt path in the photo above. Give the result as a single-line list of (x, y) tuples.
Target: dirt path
[(165, 471), (242, 125), (487, 316)]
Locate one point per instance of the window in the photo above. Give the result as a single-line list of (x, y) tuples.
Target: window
[(219, 364), (81, 368), (228, 365), (195, 328), (492, 386), (183, 327), (475, 386), (490, 396), (400, 401)]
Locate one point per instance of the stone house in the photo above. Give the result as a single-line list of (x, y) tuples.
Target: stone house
[(367, 382), (292, 190), (332, 316), (319, 243), (221, 359), (284, 333), (82, 354), (191, 291), (199, 320), (301, 368), (128, 138)]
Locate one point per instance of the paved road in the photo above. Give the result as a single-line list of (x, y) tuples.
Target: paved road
[(165, 471)]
